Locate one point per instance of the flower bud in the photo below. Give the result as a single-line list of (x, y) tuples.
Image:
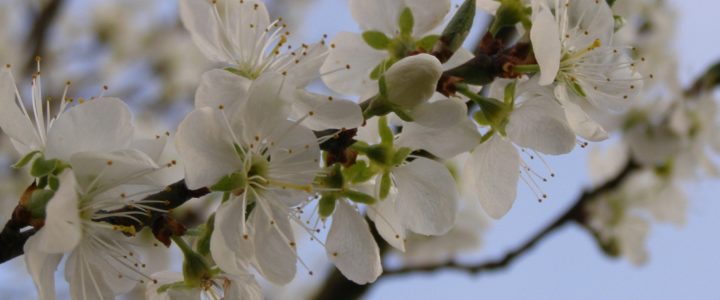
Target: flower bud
[(412, 80)]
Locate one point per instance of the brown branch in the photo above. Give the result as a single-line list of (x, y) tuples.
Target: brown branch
[(337, 287), (38, 33), (12, 238)]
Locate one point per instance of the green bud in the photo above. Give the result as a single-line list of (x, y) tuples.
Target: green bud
[(38, 201), (376, 39), (508, 14)]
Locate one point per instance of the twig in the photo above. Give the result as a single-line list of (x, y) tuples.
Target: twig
[(37, 36)]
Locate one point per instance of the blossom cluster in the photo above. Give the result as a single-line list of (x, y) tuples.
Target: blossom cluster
[(422, 130)]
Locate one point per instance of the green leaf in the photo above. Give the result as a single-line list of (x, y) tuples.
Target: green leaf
[(427, 43), (42, 167), (326, 206), (25, 160), (376, 39), (406, 22), (385, 184), (229, 183), (359, 197), (38, 201), (458, 29)]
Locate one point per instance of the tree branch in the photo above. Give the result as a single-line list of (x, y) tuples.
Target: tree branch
[(37, 36), (12, 238)]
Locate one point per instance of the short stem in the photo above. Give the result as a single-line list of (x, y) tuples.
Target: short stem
[(526, 68)]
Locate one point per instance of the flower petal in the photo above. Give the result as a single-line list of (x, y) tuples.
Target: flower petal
[(351, 247), (12, 119), (578, 120), (275, 249), (103, 124), (168, 277), (387, 223), (265, 109), (546, 42), (442, 142), (105, 170), (42, 267), (427, 198), (496, 167), (540, 125), (243, 287), (206, 148), (323, 112), (440, 114), (62, 231), (228, 245), (380, 15), (85, 279), (413, 80), (220, 87), (351, 50), (428, 14)]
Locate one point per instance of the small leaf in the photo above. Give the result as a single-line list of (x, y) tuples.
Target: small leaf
[(25, 160), (406, 22), (229, 183), (327, 205), (359, 197), (376, 39), (456, 31)]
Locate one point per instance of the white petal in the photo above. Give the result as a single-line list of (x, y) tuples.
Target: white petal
[(294, 155), (105, 170), (442, 142), (595, 17), (206, 148), (387, 222), (460, 57), (546, 43), (306, 68), (351, 247), (540, 125), (440, 114), (12, 120), (380, 15), (496, 167), (243, 287), (228, 246), (322, 112), (276, 257), (670, 205), (220, 87), (578, 120), (428, 14), (265, 108), (413, 80), (62, 231), (427, 198), (632, 235), (205, 30), (86, 281), (351, 50), (103, 124), (153, 147), (41, 267), (168, 277)]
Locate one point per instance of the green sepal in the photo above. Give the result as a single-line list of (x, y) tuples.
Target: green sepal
[(406, 22), (360, 147), (25, 160), (386, 135), (53, 182), (42, 167), (376, 39), (400, 155), (380, 154), (359, 172), (38, 201), (495, 112), (385, 184), (427, 43), (195, 268), (326, 206), (229, 183), (359, 197), (510, 93), (335, 178)]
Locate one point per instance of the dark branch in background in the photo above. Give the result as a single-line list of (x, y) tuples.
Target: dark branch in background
[(337, 287), (38, 33), (12, 238)]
